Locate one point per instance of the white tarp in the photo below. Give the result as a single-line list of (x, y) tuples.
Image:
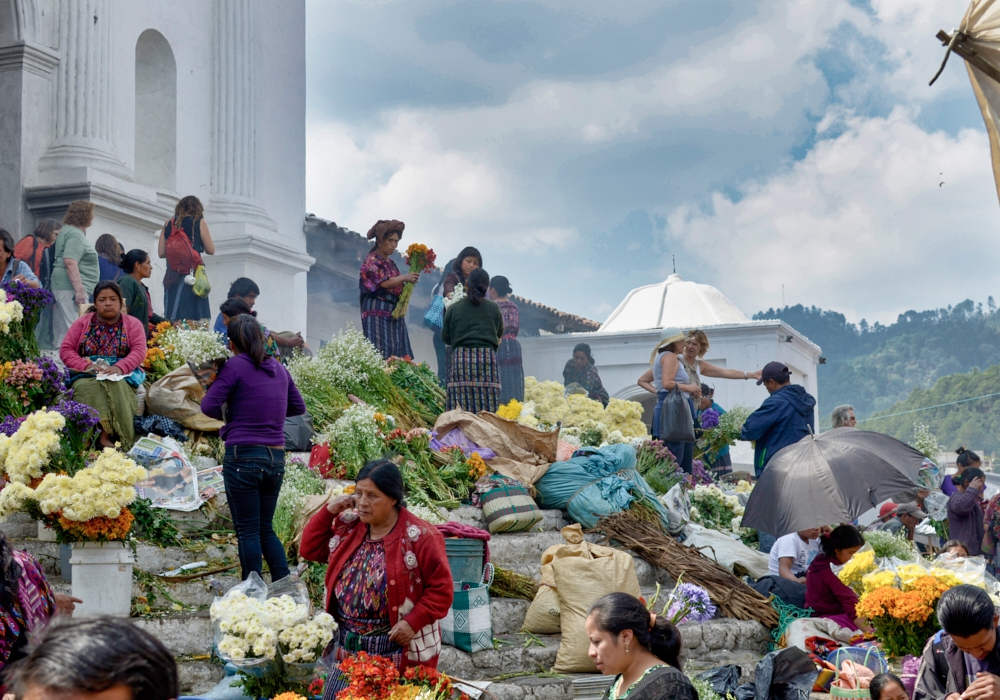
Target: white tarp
[(981, 25)]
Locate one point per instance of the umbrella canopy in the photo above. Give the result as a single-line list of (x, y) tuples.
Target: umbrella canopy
[(830, 478)]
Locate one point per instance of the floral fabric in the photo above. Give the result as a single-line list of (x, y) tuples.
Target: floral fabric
[(35, 606), (589, 379), (361, 596), (105, 339), (511, 319), (375, 270)]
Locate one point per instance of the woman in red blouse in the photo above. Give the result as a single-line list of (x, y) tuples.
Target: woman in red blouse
[(388, 582), (381, 284)]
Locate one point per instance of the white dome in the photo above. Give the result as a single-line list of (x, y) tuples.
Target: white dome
[(673, 302)]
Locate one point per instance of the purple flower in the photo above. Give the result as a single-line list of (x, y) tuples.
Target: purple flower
[(30, 298), (79, 415), (10, 424), (709, 419), (695, 600), (698, 475)]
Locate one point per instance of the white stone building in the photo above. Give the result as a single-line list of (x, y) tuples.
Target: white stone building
[(134, 104), (622, 346)]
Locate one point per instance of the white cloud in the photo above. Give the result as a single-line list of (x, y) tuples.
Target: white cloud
[(862, 222)]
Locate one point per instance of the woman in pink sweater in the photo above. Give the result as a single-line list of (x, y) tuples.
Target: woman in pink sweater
[(99, 348), (825, 593)]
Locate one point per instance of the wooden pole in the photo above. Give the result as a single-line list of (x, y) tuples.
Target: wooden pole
[(969, 53)]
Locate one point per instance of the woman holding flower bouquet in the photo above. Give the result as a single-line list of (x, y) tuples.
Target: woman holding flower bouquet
[(381, 284), (473, 328), (388, 582), (103, 344)]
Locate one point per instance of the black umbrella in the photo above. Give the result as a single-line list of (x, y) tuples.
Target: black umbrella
[(830, 478)]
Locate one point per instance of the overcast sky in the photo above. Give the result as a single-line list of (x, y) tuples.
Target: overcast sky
[(581, 144)]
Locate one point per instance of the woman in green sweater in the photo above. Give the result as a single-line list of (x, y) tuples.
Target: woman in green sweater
[(138, 266), (473, 328)]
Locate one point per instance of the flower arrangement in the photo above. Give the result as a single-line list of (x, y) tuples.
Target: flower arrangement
[(510, 410), (689, 603), (719, 432), (457, 294), (546, 404), (903, 619), (925, 441), (658, 466), (852, 573), (299, 482), (420, 258), (713, 508), (886, 544), (20, 310), (419, 384), (354, 438), (276, 635), (377, 678), (28, 385)]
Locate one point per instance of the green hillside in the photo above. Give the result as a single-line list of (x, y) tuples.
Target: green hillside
[(877, 367), (972, 423)]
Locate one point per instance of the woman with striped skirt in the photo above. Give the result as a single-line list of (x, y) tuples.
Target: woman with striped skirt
[(473, 327), (509, 354), (381, 285)]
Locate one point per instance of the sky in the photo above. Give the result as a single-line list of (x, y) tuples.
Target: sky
[(784, 151)]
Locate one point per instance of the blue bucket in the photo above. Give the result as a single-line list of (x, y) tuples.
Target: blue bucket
[(466, 558)]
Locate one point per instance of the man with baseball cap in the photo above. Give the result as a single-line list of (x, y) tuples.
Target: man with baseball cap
[(785, 417)]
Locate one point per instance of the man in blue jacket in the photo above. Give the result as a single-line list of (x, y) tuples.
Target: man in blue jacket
[(785, 417)]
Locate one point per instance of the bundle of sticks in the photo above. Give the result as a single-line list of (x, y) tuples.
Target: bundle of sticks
[(733, 597)]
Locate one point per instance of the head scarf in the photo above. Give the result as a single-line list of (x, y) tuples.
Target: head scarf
[(383, 227)]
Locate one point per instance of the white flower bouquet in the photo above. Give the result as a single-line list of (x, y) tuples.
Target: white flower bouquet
[(10, 312), (456, 296)]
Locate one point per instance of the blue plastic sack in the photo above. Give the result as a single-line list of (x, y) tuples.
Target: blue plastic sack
[(598, 483)]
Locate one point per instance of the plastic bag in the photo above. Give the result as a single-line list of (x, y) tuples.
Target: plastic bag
[(970, 570), (866, 657), (293, 587), (723, 679), (851, 573), (786, 674), (678, 508), (252, 587), (202, 286), (299, 433)]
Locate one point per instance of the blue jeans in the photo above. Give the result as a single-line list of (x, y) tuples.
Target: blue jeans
[(253, 476), (766, 541)]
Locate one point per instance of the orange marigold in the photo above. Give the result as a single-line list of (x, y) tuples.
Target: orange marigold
[(878, 603), (911, 607), (100, 528), (930, 588)]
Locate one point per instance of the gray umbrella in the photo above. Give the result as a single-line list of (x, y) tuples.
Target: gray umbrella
[(830, 478)]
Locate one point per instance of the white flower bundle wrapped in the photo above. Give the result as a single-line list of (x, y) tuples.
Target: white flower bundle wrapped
[(24, 454), (259, 630), (456, 296), (199, 346), (102, 489), (10, 312)]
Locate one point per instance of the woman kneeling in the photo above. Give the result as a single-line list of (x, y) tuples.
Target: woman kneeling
[(643, 651), (387, 580), (99, 347)]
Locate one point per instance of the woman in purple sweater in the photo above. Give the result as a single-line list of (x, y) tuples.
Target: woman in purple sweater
[(825, 593), (258, 394), (965, 513)]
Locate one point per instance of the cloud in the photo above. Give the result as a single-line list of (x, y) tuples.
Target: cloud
[(862, 222)]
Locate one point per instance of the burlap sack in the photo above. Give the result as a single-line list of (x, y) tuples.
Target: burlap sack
[(580, 581), (543, 614), (178, 396)]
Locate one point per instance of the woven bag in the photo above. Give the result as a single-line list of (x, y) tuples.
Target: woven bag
[(509, 509)]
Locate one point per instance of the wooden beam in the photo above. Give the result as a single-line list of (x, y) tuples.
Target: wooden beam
[(969, 53)]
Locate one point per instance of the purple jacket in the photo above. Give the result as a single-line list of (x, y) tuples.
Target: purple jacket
[(965, 521), (257, 399), (825, 593)]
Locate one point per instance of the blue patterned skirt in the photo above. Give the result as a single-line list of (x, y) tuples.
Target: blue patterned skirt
[(386, 333), (473, 380), (511, 370)]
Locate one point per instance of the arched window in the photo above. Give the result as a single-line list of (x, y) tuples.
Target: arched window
[(155, 112)]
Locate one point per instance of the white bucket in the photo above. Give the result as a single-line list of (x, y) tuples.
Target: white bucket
[(102, 578), (45, 533)]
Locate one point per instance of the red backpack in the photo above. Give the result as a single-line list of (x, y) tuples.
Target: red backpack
[(182, 258)]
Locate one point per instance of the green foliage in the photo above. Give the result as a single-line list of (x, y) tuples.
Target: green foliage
[(974, 423), (876, 367), (300, 481), (887, 544), (153, 525)]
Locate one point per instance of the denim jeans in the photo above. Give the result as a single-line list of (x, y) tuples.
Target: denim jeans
[(253, 476), (766, 541)]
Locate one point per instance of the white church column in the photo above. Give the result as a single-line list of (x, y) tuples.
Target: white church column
[(85, 105), (235, 165)]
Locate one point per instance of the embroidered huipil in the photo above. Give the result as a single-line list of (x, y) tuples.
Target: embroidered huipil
[(511, 319), (375, 270)]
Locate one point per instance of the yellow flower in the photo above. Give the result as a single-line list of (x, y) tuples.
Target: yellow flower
[(859, 565), (510, 410), (877, 579)]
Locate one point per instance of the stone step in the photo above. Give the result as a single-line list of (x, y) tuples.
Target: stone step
[(198, 676), (185, 634), (552, 520)]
